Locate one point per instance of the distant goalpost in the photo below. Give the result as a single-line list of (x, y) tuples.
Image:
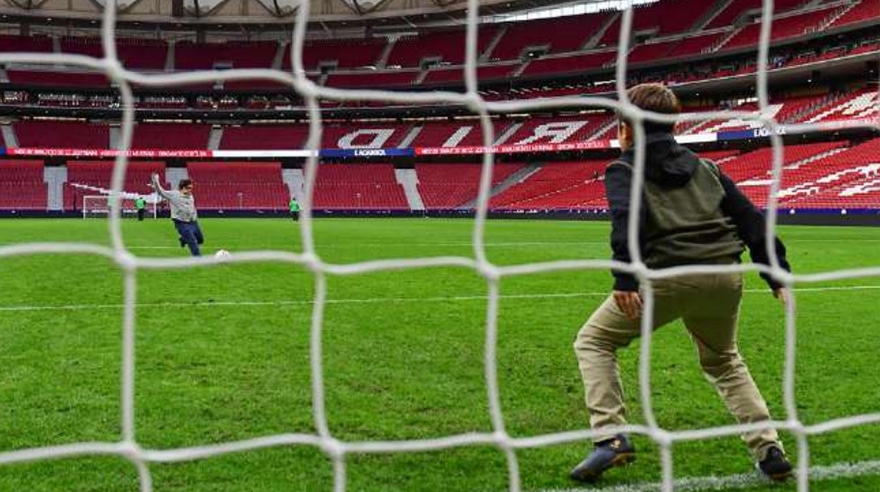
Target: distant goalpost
[(99, 206)]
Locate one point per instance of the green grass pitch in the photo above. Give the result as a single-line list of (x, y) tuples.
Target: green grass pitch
[(222, 354)]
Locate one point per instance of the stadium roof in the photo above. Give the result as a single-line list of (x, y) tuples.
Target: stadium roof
[(214, 12)]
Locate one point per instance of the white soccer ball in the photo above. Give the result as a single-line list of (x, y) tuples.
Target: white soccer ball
[(221, 253)]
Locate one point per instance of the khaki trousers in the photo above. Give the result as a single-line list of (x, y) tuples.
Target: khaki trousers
[(709, 306)]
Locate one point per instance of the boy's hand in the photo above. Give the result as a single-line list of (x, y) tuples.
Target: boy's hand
[(783, 294), (630, 302)]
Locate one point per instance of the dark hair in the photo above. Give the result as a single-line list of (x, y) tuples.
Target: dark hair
[(184, 183), (658, 99)]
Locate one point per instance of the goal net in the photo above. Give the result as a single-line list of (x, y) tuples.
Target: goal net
[(323, 439), (99, 206)]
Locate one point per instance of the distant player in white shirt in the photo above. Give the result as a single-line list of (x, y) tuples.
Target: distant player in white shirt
[(183, 213)]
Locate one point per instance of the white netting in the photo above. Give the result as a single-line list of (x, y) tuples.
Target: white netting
[(98, 206), (335, 449)]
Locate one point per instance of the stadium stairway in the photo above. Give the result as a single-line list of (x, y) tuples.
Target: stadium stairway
[(115, 136), (514, 179), (710, 15), (8, 134), (817, 157), (295, 182), (169, 57), (55, 177), (278, 61), (600, 33), (382, 63), (420, 78), (411, 135), (173, 175), (608, 128), (507, 133), (215, 137), (724, 40), (840, 13), (802, 113), (487, 53), (410, 181)]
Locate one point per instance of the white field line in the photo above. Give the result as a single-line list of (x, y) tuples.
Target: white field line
[(504, 244), (410, 245), (374, 300), (741, 481)]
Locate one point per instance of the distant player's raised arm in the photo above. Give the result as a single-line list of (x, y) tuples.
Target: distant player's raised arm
[(158, 187)]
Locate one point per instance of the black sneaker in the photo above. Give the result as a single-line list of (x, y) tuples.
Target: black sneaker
[(775, 465), (182, 242), (607, 454)]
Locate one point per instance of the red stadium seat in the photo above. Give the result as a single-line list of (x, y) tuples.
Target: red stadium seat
[(238, 185), (22, 186), (558, 185), (448, 186), (358, 187), (62, 134)]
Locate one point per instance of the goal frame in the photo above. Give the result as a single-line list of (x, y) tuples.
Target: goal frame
[(97, 206)]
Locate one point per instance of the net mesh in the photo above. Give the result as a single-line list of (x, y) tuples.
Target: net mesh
[(98, 206), (324, 439)]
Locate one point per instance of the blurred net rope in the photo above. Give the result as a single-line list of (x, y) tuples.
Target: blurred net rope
[(337, 450)]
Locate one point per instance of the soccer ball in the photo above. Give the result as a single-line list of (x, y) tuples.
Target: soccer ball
[(221, 253)]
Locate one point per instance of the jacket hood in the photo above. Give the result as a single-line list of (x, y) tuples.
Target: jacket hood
[(666, 162)]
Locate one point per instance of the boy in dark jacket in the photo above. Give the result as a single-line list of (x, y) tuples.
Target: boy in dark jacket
[(691, 214)]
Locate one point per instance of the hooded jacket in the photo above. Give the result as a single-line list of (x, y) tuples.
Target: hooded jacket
[(691, 213)]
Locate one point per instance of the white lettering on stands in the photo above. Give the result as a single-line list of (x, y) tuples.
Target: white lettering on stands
[(377, 139), (369, 153), (108, 152), (765, 132), (557, 132)]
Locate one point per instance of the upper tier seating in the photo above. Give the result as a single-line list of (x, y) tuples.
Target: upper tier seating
[(865, 11), (556, 130), (171, 136), (371, 79), (265, 137), (134, 53), (670, 16), (57, 79), (372, 135), (346, 53), (39, 44), (61, 134), (559, 35), (785, 27), (448, 46), (738, 8), (570, 64), (467, 133), (456, 74), (694, 45), (193, 56)]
